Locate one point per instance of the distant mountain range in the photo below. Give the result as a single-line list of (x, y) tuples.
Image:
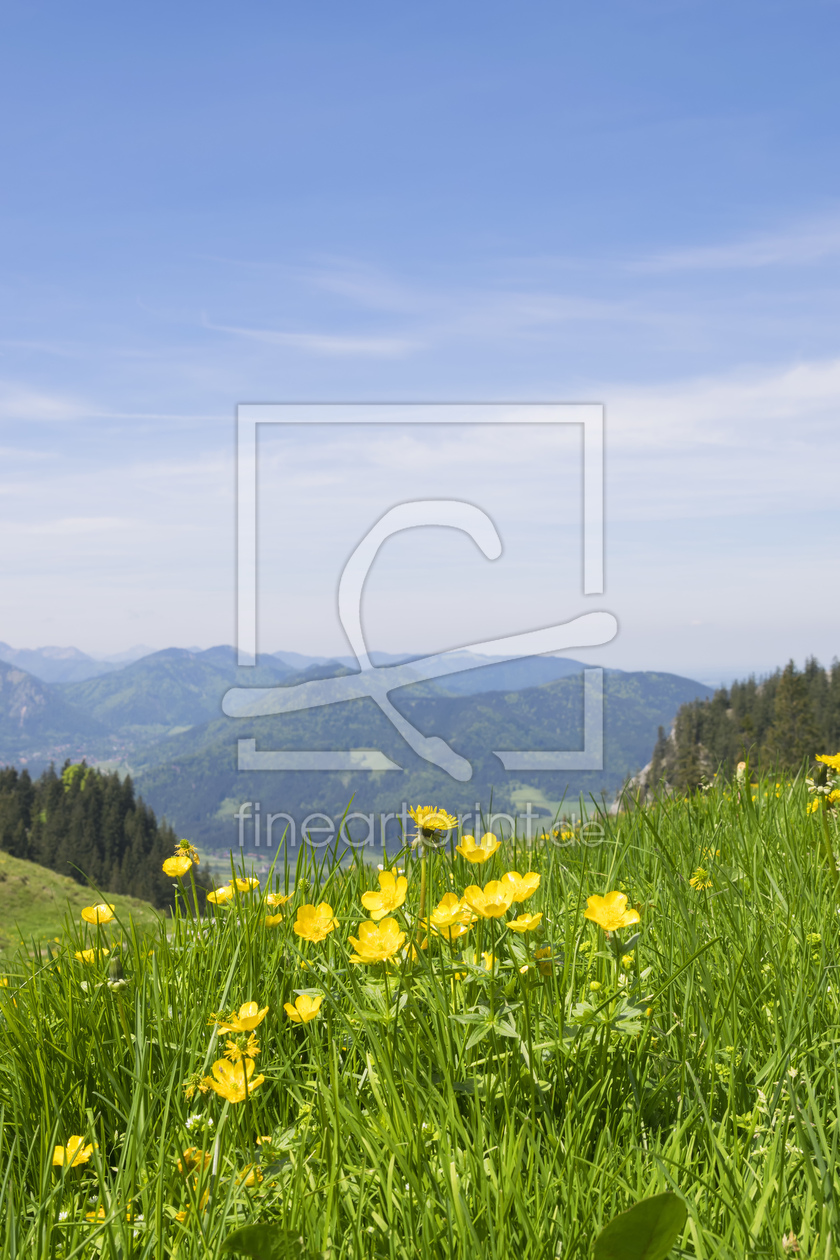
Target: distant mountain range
[(160, 718), (67, 664)]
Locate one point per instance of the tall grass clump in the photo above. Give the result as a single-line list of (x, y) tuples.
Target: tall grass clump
[(485, 1049)]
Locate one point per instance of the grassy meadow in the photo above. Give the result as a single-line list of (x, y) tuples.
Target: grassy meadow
[(499, 1093), (34, 902)]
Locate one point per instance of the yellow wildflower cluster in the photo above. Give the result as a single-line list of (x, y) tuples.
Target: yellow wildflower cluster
[(91, 955), (227, 892), (232, 1077), (454, 916), (824, 783)]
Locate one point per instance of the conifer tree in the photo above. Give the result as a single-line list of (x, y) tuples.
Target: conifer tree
[(90, 826), (776, 723)]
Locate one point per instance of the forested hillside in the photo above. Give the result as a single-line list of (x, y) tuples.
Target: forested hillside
[(34, 714), (89, 826), (160, 719), (193, 776), (776, 723)]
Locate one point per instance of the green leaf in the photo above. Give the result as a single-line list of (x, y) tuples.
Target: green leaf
[(266, 1242), (646, 1231), (478, 1035)]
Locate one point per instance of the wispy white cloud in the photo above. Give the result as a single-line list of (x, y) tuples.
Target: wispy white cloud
[(802, 244), (439, 314), (76, 525), (60, 350), (775, 409), (367, 286), (23, 403), (324, 343)]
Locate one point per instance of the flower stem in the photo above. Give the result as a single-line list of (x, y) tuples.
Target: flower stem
[(423, 906), (829, 851)]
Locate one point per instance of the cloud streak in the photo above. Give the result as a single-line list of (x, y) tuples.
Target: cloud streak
[(802, 245), (324, 343)]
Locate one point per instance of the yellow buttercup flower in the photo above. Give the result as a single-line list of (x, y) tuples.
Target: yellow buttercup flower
[(194, 1160), (813, 806), (543, 957), (525, 922), (490, 902), (91, 955), (314, 923), (234, 1081), (248, 1050), (246, 1019), (277, 899), (196, 1082), (451, 917), (455, 931), (391, 895), (188, 850), (177, 866), (98, 914), (250, 1175), (376, 941), (271, 920), (610, 911), (305, 1008), (832, 761), (488, 960), (449, 910), (478, 854), (220, 896), (430, 820), (565, 834), (74, 1153), (244, 885), (524, 886), (182, 1216), (700, 880)]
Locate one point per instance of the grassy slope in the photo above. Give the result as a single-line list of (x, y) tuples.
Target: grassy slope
[(34, 902), (436, 1111)]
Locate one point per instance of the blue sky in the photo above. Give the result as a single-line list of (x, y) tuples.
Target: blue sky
[(637, 203)]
